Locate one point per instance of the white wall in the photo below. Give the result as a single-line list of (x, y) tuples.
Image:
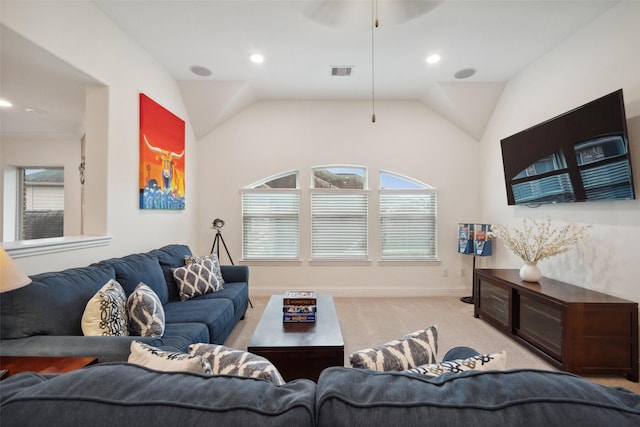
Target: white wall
[(408, 138), (599, 59), (82, 35)]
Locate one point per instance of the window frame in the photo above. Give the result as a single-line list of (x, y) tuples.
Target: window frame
[(409, 218), (276, 217)]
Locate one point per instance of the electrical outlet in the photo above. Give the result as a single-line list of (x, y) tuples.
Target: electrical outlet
[(445, 272)]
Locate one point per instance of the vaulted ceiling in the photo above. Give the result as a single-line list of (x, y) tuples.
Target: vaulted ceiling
[(302, 40)]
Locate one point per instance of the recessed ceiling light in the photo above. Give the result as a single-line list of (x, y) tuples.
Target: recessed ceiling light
[(200, 71), (433, 59), (256, 58), (4, 103), (464, 73)]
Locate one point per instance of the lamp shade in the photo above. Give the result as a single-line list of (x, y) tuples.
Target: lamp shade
[(11, 277)]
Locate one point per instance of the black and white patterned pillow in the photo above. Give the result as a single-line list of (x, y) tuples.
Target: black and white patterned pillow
[(106, 312), (146, 315), (196, 279), (214, 259), (480, 362), (415, 349), (160, 360), (229, 361)]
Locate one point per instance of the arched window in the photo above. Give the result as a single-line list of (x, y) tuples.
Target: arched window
[(339, 213), (270, 218), (408, 214)]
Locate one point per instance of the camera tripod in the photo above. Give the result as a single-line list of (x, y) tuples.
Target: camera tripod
[(216, 245)]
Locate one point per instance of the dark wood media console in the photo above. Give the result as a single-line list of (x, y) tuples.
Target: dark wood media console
[(573, 328)]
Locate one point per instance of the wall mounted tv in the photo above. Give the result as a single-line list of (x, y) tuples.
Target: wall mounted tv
[(578, 156)]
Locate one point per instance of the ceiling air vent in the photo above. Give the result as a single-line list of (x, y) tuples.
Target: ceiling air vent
[(341, 71)]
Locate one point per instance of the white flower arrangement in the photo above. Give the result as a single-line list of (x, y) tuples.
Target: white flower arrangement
[(539, 240)]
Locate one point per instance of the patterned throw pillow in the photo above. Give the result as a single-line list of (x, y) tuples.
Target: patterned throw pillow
[(146, 315), (415, 349), (160, 360), (480, 362), (214, 259), (106, 312), (229, 361), (196, 279)]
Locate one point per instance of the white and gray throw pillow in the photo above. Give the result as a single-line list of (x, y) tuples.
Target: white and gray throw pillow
[(196, 279), (160, 360), (228, 361), (410, 351), (479, 362), (214, 259), (106, 312), (146, 315)]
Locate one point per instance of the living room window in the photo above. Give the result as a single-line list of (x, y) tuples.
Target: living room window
[(40, 203), (408, 212), (270, 219), (338, 203), (339, 213)]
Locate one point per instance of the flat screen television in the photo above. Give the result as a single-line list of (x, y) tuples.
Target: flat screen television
[(581, 155)]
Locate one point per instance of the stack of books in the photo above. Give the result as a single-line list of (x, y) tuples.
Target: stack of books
[(299, 306)]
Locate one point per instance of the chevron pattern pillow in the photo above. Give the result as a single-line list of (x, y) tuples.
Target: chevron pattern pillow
[(410, 351), (480, 362), (228, 361), (106, 312), (214, 259), (196, 279), (160, 360), (146, 315)]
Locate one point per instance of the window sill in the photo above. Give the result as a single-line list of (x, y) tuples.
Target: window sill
[(25, 248)]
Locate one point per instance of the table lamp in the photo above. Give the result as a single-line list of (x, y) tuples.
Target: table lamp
[(11, 277)]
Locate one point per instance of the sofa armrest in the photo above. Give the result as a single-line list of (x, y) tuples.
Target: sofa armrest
[(106, 349), (235, 273)]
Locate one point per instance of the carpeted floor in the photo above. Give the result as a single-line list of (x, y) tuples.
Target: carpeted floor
[(366, 322)]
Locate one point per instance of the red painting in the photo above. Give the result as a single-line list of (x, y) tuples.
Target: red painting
[(162, 157)]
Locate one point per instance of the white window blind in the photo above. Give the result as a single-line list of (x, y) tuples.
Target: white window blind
[(270, 224), (408, 224), (339, 224)]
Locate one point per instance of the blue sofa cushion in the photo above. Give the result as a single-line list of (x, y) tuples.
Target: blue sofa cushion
[(358, 397), (125, 394), (216, 314), (238, 293), (136, 268), (179, 336), (170, 257), (53, 303)]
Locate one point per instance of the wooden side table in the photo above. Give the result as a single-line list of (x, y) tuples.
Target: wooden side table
[(44, 365)]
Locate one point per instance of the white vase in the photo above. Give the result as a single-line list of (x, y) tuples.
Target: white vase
[(530, 272)]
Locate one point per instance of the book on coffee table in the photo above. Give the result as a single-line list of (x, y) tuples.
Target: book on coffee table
[(307, 298), (299, 306)]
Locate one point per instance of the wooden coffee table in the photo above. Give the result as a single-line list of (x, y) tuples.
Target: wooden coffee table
[(44, 365), (299, 350)]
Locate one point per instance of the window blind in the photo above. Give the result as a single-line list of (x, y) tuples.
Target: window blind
[(339, 224), (408, 224), (270, 225)]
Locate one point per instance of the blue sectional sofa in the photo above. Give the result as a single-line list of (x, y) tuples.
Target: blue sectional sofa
[(125, 394), (44, 318)]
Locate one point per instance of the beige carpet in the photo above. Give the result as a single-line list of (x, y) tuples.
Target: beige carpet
[(366, 322)]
